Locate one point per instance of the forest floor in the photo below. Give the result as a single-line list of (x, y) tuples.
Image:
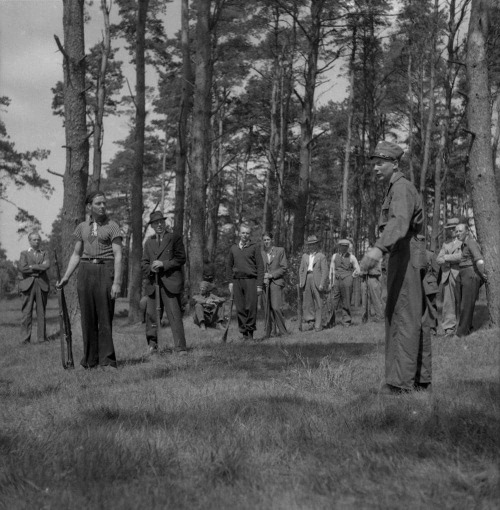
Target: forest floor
[(290, 423)]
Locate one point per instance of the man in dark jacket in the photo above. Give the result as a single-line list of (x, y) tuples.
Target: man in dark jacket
[(34, 287), (164, 255), (407, 335), (245, 272)]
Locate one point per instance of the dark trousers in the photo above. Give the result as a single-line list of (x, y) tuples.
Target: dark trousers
[(171, 303), (431, 313), (342, 292), (97, 309), (210, 316), (408, 356), (32, 295), (469, 283), (245, 300), (274, 316)]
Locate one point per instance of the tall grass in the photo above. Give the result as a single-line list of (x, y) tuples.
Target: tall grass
[(290, 424)]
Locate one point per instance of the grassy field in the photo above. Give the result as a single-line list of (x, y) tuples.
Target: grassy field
[(281, 424)]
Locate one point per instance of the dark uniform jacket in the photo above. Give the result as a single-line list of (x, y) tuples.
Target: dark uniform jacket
[(171, 252)]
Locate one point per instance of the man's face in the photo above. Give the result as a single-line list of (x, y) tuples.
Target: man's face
[(450, 234), (343, 248), (268, 242), (159, 226), (98, 206), (35, 241), (384, 168), (461, 232), (244, 234), (311, 248)]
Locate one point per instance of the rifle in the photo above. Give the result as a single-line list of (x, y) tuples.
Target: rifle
[(64, 324), (158, 307), (366, 312), (299, 306), (267, 311), (224, 335)]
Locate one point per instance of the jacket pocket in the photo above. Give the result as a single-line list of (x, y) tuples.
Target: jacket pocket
[(417, 253)]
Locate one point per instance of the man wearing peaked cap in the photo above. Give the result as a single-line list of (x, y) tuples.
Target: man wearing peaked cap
[(407, 339), (313, 273), (343, 268), (164, 255), (206, 307), (449, 258)]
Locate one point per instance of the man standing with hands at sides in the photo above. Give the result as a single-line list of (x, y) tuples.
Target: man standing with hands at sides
[(34, 286), (164, 255), (407, 335), (472, 275), (448, 258), (275, 267), (245, 272), (313, 273), (98, 252)]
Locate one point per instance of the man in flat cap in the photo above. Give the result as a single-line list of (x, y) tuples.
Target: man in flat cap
[(449, 258), (343, 268), (207, 307), (98, 252), (34, 286), (407, 338), (164, 255), (313, 273), (245, 272)]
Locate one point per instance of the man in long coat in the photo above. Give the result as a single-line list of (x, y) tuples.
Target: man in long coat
[(407, 338), (34, 287), (164, 255)]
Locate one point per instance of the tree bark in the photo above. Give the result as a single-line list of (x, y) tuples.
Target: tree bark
[(201, 126), (77, 141), (186, 108), (137, 177), (480, 171)]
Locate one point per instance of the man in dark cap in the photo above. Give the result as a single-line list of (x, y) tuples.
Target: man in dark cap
[(448, 258), (34, 287), (343, 268), (313, 273), (98, 252), (245, 273), (471, 276), (164, 255), (407, 339), (207, 307)]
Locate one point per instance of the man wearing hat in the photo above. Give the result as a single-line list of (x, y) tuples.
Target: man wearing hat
[(245, 272), (313, 273), (407, 335), (449, 258), (164, 255), (343, 268), (207, 307), (98, 252)]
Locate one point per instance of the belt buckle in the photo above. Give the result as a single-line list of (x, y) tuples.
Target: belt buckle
[(94, 261)]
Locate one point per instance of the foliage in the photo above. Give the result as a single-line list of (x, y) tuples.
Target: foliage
[(8, 275)]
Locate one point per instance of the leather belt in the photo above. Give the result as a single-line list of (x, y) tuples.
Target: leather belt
[(96, 261)]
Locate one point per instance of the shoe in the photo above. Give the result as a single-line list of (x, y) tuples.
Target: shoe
[(202, 326), (318, 330), (388, 389), (449, 333), (181, 353), (347, 325), (25, 342), (422, 386)]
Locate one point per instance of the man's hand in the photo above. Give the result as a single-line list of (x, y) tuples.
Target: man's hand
[(156, 266), (259, 290), (62, 283), (320, 288), (231, 288), (115, 290), (371, 259), (268, 276)]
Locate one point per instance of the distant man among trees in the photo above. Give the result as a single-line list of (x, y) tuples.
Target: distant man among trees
[(449, 258), (207, 307), (407, 339), (98, 253), (313, 275), (34, 287), (245, 272), (471, 276)]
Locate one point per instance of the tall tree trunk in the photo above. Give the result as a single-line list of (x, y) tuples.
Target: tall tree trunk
[(480, 170), (136, 181), (101, 99), (201, 126), (410, 115), (185, 107), (77, 142)]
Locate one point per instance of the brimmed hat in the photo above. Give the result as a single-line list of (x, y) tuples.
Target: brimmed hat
[(312, 239), (452, 223), (204, 285), (387, 150), (155, 216), (344, 242)]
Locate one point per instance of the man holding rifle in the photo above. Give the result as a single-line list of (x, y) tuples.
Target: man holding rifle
[(162, 261), (98, 252)]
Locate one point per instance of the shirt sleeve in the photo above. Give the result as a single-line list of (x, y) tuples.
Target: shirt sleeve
[(115, 231), (77, 234), (475, 251)]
